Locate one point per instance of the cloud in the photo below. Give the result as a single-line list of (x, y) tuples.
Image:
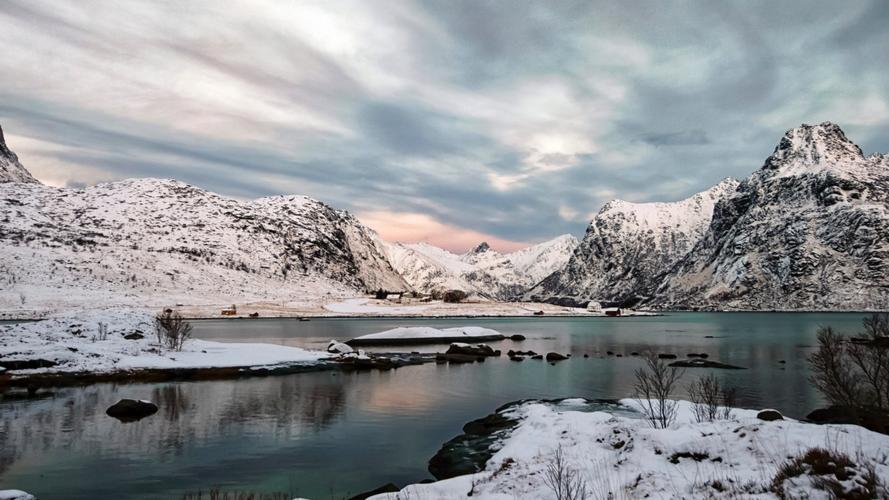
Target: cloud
[(492, 120)]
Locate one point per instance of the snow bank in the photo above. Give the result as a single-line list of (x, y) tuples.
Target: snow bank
[(625, 457), (425, 334), (15, 495), (73, 342)]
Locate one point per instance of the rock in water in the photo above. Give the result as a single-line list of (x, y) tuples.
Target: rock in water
[(554, 356), (131, 410), (472, 350), (337, 347), (16, 495)]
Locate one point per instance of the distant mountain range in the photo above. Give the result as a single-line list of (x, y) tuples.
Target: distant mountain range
[(808, 230)]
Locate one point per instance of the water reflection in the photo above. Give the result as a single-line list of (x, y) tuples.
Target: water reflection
[(329, 434)]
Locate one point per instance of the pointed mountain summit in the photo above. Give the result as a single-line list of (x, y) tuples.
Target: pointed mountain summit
[(481, 248), (11, 170), (810, 230)]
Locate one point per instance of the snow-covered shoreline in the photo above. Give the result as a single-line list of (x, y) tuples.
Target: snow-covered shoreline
[(123, 340), (619, 456)]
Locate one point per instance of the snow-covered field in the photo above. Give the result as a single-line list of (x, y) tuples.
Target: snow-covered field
[(620, 457), (75, 342)]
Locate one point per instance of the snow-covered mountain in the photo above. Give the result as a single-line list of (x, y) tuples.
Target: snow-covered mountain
[(481, 271), (122, 242), (10, 168), (809, 230), (629, 246)]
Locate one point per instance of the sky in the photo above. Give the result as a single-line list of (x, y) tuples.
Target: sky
[(449, 122)]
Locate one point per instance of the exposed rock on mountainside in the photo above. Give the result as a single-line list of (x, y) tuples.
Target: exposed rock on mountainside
[(10, 168), (123, 242), (629, 246), (481, 271), (809, 230)]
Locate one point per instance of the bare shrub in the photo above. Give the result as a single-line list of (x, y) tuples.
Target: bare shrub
[(171, 329), (854, 374), (655, 383), (712, 400), (830, 471), (563, 480)]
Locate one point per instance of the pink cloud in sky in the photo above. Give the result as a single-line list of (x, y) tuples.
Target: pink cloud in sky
[(407, 227)]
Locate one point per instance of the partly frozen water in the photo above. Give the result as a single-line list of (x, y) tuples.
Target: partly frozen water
[(331, 435)]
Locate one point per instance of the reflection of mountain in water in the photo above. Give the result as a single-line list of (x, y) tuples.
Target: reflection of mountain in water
[(190, 414)]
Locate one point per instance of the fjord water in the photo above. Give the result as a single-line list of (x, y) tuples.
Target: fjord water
[(333, 434)]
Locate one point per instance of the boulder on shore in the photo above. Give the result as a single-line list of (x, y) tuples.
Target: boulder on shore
[(769, 415), (869, 418), (337, 347), (131, 410)]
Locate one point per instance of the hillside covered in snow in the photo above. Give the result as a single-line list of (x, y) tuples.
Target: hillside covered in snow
[(159, 242), (482, 271)]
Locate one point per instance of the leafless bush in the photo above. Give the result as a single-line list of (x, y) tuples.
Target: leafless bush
[(854, 373), (103, 331), (829, 471), (654, 385), (563, 480), (712, 401), (171, 329)]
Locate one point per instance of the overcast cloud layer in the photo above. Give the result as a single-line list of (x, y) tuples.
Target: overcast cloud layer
[(446, 121)]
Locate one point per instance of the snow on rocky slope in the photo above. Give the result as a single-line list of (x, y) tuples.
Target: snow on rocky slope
[(10, 168), (809, 230), (481, 271), (629, 246), (158, 242), (617, 455)]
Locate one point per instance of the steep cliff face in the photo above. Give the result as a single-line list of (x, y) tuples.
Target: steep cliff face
[(628, 247), (481, 271), (809, 230), (10, 168)]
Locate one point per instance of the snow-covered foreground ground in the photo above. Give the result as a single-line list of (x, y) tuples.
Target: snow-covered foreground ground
[(74, 343), (621, 457)]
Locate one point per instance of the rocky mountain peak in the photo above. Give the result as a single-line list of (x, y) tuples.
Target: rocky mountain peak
[(809, 145), (481, 248), (10, 168)]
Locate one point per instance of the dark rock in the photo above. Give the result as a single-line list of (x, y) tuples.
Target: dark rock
[(634, 353), (468, 452), (870, 418), (667, 356), (254, 315), (769, 415), (703, 363), (586, 355), (517, 337), (516, 358), (386, 488), (701, 355), (610, 353), (131, 410), (134, 336), (472, 350), (27, 364), (620, 355), (523, 353), (554, 356), (459, 358), (537, 356)]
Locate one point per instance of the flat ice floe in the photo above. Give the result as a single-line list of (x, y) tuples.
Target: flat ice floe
[(73, 342), (428, 335), (618, 456)]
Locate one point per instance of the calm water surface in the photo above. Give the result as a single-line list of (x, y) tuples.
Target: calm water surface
[(331, 434)]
